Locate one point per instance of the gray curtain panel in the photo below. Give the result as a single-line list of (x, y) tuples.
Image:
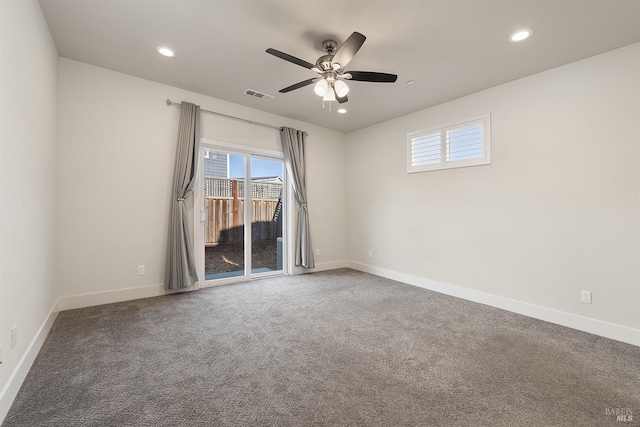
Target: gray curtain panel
[(293, 147), (181, 265)]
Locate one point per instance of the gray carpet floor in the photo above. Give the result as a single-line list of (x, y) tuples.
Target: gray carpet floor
[(338, 348)]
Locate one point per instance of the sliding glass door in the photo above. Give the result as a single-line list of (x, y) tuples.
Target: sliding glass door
[(266, 215), (224, 207), (241, 198)]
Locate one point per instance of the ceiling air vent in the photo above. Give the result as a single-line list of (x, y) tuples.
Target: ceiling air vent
[(255, 94)]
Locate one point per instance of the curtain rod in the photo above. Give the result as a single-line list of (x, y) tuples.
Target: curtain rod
[(178, 104)]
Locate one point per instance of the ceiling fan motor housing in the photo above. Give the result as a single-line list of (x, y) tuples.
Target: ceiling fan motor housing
[(325, 63)]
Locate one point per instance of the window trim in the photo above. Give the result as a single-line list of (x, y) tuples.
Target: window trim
[(485, 119)]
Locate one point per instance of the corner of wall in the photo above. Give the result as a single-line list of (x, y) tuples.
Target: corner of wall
[(17, 377)]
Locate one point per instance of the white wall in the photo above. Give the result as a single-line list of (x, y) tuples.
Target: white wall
[(117, 149), (557, 211), (28, 179)]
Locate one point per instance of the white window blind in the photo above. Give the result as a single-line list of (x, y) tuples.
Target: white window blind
[(463, 143), (426, 149)]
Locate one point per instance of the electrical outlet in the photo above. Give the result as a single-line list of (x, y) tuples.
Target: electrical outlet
[(318, 252), (585, 297), (140, 270), (14, 336), (370, 254)]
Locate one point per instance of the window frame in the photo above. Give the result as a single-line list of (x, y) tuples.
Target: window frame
[(484, 119)]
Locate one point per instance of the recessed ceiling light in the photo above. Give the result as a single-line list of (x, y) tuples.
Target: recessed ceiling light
[(411, 82), (165, 51), (342, 110), (520, 35)]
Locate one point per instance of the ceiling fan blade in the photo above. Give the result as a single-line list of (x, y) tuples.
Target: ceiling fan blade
[(371, 76), (349, 48), (299, 85), (290, 58)]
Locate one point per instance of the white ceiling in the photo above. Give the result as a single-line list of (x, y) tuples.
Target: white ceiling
[(450, 48)]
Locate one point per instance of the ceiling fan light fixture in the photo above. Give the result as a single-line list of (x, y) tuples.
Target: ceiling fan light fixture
[(321, 87), (341, 88)]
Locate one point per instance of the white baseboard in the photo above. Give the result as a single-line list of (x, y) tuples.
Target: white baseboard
[(108, 297), (99, 298), (321, 266), (10, 391), (574, 321), (331, 265)]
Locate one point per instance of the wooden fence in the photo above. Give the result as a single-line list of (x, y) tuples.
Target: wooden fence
[(225, 210), (225, 223), (224, 187)]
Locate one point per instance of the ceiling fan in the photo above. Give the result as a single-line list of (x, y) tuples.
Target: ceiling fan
[(331, 67)]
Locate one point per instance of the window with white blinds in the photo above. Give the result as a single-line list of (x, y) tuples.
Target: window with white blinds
[(463, 143)]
